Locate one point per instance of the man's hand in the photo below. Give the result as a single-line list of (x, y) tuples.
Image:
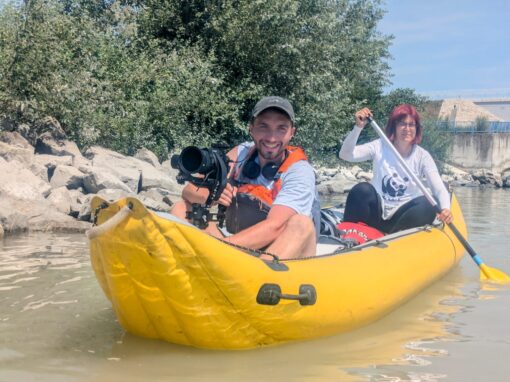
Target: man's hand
[(227, 195)]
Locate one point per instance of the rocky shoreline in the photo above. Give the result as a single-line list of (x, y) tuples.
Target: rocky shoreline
[(47, 184), (333, 181)]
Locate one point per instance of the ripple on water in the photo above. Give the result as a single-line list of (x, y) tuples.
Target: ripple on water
[(41, 271), (26, 257), (56, 324), (47, 288)]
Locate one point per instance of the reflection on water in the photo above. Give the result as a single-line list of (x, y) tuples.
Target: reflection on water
[(56, 325), (53, 314)]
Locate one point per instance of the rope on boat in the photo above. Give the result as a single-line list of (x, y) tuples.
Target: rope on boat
[(251, 251), (111, 223)]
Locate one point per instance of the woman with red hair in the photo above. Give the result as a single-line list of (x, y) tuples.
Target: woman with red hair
[(391, 201)]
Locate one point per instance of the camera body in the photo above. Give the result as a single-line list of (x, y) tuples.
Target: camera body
[(211, 164)]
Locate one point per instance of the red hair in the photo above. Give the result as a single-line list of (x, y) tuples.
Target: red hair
[(398, 114)]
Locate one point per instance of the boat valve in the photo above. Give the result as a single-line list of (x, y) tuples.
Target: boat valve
[(271, 294)]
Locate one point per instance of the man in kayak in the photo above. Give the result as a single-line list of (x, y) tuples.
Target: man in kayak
[(271, 201)]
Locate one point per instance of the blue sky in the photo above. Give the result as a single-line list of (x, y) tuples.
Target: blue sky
[(450, 48)]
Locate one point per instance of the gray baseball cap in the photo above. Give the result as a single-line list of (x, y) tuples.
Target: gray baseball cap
[(276, 102)]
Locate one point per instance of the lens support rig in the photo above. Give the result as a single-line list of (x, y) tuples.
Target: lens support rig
[(212, 166)]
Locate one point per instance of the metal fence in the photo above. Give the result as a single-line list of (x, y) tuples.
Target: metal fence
[(474, 127)]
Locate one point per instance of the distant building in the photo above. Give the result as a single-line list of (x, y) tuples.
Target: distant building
[(464, 112), (471, 150), (498, 107)]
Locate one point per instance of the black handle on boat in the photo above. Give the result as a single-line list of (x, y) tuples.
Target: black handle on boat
[(271, 294), (490, 273)]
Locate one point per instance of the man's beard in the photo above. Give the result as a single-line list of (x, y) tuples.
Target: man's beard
[(272, 155)]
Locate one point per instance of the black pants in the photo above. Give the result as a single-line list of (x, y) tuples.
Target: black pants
[(363, 205)]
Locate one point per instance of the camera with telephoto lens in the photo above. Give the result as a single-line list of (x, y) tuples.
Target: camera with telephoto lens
[(212, 166)]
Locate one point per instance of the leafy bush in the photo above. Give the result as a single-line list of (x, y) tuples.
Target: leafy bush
[(437, 141), (105, 91), (481, 123), (165, 74), (326, 57)]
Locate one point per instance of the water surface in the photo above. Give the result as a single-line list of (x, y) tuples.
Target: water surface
[(56, 324)]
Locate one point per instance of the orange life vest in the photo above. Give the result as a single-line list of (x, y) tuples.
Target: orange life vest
[(294, 154)]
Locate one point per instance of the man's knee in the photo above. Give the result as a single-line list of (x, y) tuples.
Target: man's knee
[(179, 209), (300, 224), (302, 230)]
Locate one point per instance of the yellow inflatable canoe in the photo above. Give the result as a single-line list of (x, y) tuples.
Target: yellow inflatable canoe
[(168, 280)]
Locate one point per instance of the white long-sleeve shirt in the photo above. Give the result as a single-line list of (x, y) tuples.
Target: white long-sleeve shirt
[(390, 179)]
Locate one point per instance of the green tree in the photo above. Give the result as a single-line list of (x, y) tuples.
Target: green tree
[(437, 141), (94, 76), (325, 56), (164, 74), (385, 105)]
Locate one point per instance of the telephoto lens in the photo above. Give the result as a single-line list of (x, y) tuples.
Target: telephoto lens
[(196, 160), (193, 160)]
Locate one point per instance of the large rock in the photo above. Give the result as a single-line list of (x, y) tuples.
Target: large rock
[(67, 176), (54, 221), (328, 188), (505, 178), (455, 177), (156, 199), (166, 196), (13, 138), (148, 156), (486, 177), (323, 174), (85, 213), (116, 164), (152, 178), (329, 172), (47, 144), (155, 205), (364, 176), (97, 179), (166, 166), (46, 126), (348, 174), (113, 195), (52, 161), (40, 171), (138, 175), (340, 184), (77, 198), (25, 215), (16, 153), (61, 199), (355, 170), (44, 165), (19, 182)]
